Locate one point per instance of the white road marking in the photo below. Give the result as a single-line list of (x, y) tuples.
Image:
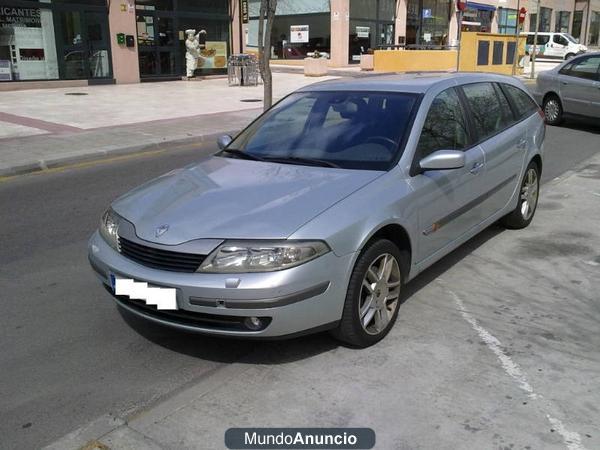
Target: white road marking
[(571, 438)]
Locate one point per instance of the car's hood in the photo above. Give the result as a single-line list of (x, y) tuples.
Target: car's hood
[(229, 198)]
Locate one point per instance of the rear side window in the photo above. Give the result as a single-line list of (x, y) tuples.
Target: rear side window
[(586, 68), (445, 126), (490, 112), (523, 103)]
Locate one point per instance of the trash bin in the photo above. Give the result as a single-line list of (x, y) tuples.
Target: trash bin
[(242, 70)]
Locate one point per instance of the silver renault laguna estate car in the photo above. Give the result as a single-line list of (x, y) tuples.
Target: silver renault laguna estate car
[(316, 215)]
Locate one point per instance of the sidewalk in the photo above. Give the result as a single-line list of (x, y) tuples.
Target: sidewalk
[(40, 129), (496, 346)]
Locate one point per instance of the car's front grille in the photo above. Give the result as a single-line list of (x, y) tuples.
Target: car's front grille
[(160, 259)]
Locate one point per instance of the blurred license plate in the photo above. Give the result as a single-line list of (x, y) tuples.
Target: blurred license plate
[(162, 298)]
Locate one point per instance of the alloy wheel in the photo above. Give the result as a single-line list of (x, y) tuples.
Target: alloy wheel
[(379, 294), (529, 194), (552, 110)]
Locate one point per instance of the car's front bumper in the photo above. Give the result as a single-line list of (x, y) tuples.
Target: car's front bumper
[(291, 301)]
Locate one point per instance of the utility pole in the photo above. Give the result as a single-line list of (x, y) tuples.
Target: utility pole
[(535, 35)]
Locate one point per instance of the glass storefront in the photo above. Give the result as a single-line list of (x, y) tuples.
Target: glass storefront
[(300, 27), (594, 34), (371, 26), (577, 22), (161, 26), (428, 22), (61, 40), (562, 21), (545, 18), (477, 18), (507, 20)]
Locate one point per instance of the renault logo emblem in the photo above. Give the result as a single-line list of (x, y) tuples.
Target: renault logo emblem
[(161, 230)]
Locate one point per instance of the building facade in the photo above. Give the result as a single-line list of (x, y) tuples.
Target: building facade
[(54, 42), (344, 29), (106, 41)]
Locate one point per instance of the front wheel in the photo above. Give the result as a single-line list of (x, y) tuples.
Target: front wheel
[(553, 112), (569, 56), (373, 296), (523, 214)]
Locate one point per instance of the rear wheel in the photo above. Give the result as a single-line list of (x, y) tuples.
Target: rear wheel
[(373, 296), (523, 214), (553, 111)]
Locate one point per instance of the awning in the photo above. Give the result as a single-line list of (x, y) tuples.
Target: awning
[(480, 6)]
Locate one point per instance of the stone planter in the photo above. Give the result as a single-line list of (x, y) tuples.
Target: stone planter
[(315, 67), (366, 62)]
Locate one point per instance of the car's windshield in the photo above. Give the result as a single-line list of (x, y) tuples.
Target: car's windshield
[(351, 130), (569, 37)]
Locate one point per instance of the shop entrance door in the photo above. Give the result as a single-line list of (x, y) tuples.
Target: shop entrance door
[(158, 45), (82, 44)]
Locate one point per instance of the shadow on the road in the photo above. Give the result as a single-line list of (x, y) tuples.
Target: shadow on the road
[(585, 124), (229, 350)]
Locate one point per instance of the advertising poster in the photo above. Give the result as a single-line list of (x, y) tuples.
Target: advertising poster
[(298, 34), (213, 55)]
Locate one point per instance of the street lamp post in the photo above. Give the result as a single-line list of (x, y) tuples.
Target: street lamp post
[(535, 35), (516, 55)]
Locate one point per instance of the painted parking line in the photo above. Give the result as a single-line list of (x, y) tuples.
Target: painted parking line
[(571, 439)]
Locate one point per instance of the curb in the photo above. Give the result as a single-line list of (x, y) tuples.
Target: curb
[(64, 161)]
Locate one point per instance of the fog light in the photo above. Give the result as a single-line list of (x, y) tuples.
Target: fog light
[(253, 323)]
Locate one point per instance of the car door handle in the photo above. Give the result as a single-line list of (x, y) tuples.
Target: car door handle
[(564, 83), (476, 168)]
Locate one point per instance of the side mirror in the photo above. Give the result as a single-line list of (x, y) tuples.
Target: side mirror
[(443, 160), (223, 141)]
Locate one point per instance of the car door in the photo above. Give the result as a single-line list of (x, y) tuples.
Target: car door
[(502, 141), (557, 46), (579, 87), (445, 197)]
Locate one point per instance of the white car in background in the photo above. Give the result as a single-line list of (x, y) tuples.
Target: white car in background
[(553, 45)]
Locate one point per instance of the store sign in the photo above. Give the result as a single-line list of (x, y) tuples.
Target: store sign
[(363, 32), (245, 14), (213, 55), (298, 34), (19, 17)]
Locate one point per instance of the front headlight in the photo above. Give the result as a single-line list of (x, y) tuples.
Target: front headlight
[(261, 256), (109, 227)]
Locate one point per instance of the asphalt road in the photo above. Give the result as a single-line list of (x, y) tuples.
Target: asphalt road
[(68, 355)]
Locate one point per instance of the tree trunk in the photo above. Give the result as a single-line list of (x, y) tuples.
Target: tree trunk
[(267, 11)]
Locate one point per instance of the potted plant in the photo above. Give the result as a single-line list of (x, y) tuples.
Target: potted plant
[(315, 65)]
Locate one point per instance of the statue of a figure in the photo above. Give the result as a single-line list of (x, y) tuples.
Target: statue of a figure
[(192, 46)]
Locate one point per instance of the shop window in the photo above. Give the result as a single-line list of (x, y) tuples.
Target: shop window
[(299, 28), (562, 21), (27, 44), (577, 21), (507, 21), (594, 34), (545, 18)]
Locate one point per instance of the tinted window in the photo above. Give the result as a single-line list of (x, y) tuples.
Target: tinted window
[(523, 103), (491, 113), (558, 39), (354, 130), (583, 68), (445, 127)]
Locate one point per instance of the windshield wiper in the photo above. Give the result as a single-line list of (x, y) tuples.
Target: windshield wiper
[(241, 154), (300, 160)]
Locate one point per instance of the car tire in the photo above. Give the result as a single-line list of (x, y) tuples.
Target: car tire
[(553, 111), (523, 214), (569, 56), (366, 321)]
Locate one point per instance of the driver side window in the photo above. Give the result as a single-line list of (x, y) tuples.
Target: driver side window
[(445, 127)]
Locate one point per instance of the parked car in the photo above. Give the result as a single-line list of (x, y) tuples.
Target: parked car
[(316, 215), (570, 89), (553, 45)]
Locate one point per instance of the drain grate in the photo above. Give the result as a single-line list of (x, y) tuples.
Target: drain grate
[(251, 100), (76, 93)]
